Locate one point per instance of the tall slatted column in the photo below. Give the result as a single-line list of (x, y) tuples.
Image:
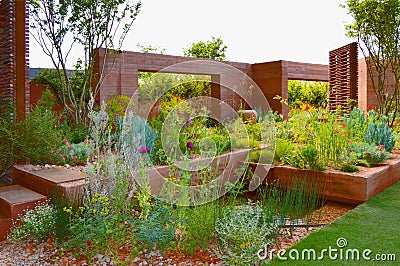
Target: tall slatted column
[(343, 76), (14, 53)]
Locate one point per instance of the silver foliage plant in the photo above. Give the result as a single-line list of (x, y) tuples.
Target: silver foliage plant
[(109, 166)]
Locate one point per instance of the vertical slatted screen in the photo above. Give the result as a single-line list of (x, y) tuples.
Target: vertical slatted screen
[(343, 76), (11, 30)]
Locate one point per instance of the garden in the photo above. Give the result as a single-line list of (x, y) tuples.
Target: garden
[(204, 211), (117, 216)]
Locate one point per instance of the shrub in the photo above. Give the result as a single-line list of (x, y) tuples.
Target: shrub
[(39, 133), (284, 150), (355, 124), (315, 93), (199, 223), (349, 168), (8, 139), (309, 155), (242, 232), (116, 107), (365, 154), (73, 153), (158, 228), (379, 133), (36, 224)]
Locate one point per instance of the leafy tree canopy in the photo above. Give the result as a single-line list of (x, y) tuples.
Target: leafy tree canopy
[(212, 49)]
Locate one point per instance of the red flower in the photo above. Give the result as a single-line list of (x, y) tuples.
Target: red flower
[(70, 148), (370, 107), (75, 159), (307, 108)]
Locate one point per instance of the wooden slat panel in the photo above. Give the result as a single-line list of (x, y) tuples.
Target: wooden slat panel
[(343, 76)]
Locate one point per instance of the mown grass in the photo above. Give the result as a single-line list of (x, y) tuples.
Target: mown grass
[(374, 225)]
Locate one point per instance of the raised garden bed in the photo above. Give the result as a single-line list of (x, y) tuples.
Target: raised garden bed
[(352, 188)]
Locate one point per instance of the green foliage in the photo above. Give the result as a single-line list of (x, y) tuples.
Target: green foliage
[(379, 133), (310, 158), (199, 225), (39, 133), (72, 154), (8, 139), (376, 27), (242, 231), (174, 85), (86, 25), (138, 126), (158, 229), (311, 92), (212, 49), (52, 81), (75, 133), (355, 124), (284, 149), (116, 108), (349, 168), (35, 224), (365, 154), (299, 198), (98, 226)]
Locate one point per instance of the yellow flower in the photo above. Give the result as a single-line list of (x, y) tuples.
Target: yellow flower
[(67, 210)]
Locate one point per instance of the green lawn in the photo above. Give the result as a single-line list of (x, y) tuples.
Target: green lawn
[(374, 225)]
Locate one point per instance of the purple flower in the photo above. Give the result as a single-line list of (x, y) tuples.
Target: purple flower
[(143, 149), (190, 145), (188, 122)]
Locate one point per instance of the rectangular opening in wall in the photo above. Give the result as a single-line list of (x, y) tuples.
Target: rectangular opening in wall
[(166, 90), (313, 93)]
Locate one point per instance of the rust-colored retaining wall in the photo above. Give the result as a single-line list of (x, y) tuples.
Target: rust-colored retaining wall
[(344, 187)]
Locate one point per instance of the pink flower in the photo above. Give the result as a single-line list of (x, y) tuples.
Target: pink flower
[(381, 147), (70, 148), (75, 159), (65, 140), (56, 152), (143, 149)]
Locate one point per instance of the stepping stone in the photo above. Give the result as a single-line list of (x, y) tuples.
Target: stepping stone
[(51, 182), (14, 200)]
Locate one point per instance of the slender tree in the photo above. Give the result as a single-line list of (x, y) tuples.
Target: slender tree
[(377, 29), (59, 26)]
